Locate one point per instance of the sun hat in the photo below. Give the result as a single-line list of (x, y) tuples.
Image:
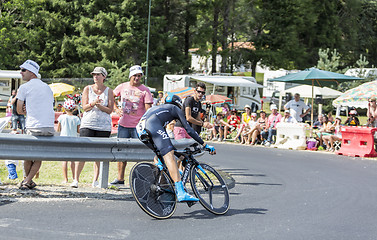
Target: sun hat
[(135, 70), (273, 106), (31, 66), (100, 70), (287, 111), (247, 106), (69, 104), (254, 115)]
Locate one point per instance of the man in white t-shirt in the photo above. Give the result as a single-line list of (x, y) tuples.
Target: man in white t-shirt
[(35, 100), (298, 109)]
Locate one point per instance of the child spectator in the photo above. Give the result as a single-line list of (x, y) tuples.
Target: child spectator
[(233, 122), (69, 125), (352, 120)]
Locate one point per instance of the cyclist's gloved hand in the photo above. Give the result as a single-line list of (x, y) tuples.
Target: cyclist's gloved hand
[(211, 149)]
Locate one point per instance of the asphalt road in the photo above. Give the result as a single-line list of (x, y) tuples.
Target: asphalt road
[(279, 194)]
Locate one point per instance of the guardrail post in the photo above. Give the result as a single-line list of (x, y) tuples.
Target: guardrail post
[(104, 174)]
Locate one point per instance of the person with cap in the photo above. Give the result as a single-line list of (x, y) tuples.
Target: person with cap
[(35, 100), (69, 126), (270, 129), (98, 104), (352, 120), (372, 112), (288, 118), (298, 109), (245, 118), (135, 99)]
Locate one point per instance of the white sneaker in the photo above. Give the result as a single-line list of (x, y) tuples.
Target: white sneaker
[(267, 144), (95, 184), (75, 184)]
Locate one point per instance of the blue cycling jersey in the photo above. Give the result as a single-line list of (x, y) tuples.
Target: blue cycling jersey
[(154, 121)]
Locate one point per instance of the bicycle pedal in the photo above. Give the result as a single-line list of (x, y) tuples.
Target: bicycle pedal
[(190, 204)]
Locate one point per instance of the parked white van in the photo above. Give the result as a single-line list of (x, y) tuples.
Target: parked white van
[(244, 89)]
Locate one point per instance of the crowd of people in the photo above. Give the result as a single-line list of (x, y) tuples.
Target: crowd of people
[(131, 99)]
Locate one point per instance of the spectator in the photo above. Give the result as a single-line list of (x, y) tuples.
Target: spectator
[(18, 120), (260, 126), (245, 118), (69, 126), (330, 117), (325, 130), (59, 107), (372, 112), (297, 107), (160, 99), (192, 107), (288, 118), (233, 122), (270, 130), (319, 123), (226, 110), (219, 125), (39, 112), (352, 120), (336, 135), (135, 99), (249, 129), (98, 104)]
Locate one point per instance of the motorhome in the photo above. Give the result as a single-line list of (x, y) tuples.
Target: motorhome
[(9, 80), (244, 90)]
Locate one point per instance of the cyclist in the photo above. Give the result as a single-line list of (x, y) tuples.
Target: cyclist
[(152, 125)]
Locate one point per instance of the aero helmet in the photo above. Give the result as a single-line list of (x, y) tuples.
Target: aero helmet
[(173, 99)]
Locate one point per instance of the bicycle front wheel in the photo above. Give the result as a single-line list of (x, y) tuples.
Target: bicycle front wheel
[(153, 190), (210, 188)]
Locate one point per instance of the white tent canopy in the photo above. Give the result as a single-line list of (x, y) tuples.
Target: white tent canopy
[(305, 91), (228, 81)]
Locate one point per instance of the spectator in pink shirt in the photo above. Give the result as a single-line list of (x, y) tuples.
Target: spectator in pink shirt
[(270, 129), (135, 99)]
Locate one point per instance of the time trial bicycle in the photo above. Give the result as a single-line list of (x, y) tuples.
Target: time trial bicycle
[(153, 189)]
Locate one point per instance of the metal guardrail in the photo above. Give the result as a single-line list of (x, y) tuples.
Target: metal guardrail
[(56, 148)]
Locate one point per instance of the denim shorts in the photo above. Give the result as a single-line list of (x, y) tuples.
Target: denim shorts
[(124, 132), (18, 120)]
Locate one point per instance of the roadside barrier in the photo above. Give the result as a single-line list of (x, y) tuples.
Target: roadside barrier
[(56, 148), (291, 135), (357, 142)]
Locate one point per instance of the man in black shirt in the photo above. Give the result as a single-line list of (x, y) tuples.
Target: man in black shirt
[(192, 108)]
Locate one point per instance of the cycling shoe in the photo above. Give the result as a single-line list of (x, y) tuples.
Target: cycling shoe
[(182, 195)]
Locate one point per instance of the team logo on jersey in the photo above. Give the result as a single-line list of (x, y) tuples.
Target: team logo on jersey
[(163, 134)]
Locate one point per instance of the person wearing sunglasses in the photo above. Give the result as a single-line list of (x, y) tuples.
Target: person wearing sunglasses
[(192, 108), (35, 100)]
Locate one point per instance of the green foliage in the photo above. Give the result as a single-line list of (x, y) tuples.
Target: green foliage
[(68, 38), (326, 62)]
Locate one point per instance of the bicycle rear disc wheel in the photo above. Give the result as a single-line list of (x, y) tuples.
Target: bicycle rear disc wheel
[(153, 190), (210, 188)]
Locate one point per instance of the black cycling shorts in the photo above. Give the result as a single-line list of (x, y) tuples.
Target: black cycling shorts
[(159, 136)]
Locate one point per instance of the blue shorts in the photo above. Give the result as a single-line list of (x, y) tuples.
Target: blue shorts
[(20, 119), (124, 132)]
